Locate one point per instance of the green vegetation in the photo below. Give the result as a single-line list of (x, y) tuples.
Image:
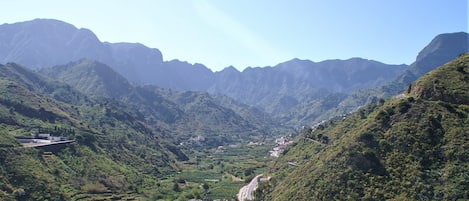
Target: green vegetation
[(409, 148), (224, 170), (126, 148), (442, 49), (220, 120), (94, 167)]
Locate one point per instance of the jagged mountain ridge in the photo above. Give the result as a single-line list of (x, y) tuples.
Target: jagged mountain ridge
[(283, 90), (45, 43), (442, 49), (280, 88)]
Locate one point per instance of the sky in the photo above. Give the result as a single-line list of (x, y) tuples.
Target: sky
[(258, 33)]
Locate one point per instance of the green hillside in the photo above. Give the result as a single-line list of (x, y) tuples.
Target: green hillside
[(411, 147), (183, 114), (115, 154), (89, 77), (442, 49), (133, 144)]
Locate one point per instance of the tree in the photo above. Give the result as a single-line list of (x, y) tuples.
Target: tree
[(86, 138), (319, 137), (205, 186), (409, 88), (248, 172), (325, 139), (176, 187)]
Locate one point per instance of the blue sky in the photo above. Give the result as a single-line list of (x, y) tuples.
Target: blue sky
[(254, 33)]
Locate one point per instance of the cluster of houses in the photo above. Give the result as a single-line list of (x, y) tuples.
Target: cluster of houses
[(255, 144), (194, 140), (281, 144)]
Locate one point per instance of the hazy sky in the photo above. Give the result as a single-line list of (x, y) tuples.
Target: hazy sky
[(242, 33)]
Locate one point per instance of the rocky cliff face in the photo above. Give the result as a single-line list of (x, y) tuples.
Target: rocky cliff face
[(45, 43)]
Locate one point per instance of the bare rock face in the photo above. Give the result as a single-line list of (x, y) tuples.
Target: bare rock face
[(46, 42)]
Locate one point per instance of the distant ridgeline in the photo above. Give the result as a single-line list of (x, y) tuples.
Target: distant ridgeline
[(411, 147), (297, 92)]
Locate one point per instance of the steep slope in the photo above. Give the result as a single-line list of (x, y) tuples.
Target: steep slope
[(186, 114), (442, 49), (42, 42), (89, 76), (412, 147), (15, 36), (113, 144), (46, 42), (183, 76), (449, 84), (283, 90), (33, 81), (219, 123), (299, 91), (282, 87), (203, 115)]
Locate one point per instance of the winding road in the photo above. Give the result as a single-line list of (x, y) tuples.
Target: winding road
[(246, 192)]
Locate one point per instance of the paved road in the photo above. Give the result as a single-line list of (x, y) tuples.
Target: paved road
[(43, 144), (245, 193)]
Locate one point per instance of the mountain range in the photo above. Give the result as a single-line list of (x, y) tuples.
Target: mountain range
[(443, 48), (279, 90), (193, 113), (45, 43)]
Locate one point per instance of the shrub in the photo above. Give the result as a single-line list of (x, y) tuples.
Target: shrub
[(403, 107), (94, 188)]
